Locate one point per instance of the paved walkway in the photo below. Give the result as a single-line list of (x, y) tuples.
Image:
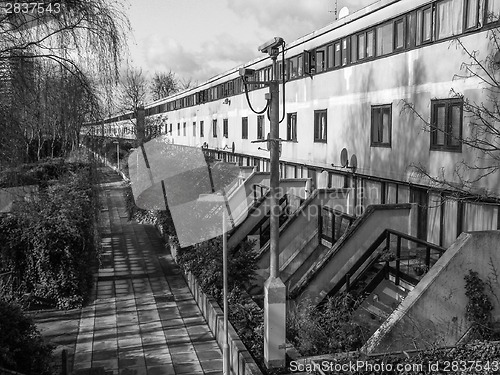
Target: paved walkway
[(144, 319)]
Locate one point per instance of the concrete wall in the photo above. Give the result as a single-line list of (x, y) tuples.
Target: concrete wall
[(319, 280), (241, 360), (299, 234), (434, 312)]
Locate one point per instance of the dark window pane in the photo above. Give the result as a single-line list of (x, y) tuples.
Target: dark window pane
[(370, 43), (361, 46), (399, 34), (411, 30), (449, 18), (354, 48), (384, 39), (427, 25)]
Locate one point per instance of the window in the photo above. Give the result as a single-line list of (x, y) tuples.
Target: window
[(184, 129), (492, 11), (202, 130), (214, 128), (370, 43), (291, 127), (225, 128), (411, 27), (449, 17), (425, 25), (446, 124), (194, 129), (320, 126), (337, 54), (384, 39), (330, 56), (381, 125), (320, 59), (170, 129), (361, 46), (471, 14), (399, 39), (295, 65), (178, 128), (260, 127), (244, 128), (345, 51), (354, 48)]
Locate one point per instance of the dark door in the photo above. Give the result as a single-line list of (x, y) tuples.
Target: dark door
[(421, 198)]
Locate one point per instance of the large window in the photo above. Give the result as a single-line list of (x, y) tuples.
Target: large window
[(291, 127), (225, 128), (320, 126), (471, 14), (449, 18), (446, 124), (381, 125), (384, 39), (260, 127), (492, 11), (214, 128), (202, 129), (244, 128)]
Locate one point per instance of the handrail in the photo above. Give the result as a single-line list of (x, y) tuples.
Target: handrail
[(362, 259), (417, 240)]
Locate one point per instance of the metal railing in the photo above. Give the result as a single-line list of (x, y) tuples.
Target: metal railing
[(407, 257), (334, 223)]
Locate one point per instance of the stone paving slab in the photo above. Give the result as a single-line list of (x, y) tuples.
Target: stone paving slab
[(143, 318)]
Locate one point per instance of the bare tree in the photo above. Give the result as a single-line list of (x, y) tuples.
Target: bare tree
[(163, 85), (187, 83), (76, 40), (133, 90), (483, 136)]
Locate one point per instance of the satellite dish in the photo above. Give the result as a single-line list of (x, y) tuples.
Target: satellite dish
[(232, 148), (354, 162), (344, 12), (343, 158)]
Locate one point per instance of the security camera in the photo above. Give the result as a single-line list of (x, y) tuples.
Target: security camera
[(246, 72), (271, 44)]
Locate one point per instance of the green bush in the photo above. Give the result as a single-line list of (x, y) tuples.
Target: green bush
[(21, 346), (326, 329), (49, 243), (204, 261)]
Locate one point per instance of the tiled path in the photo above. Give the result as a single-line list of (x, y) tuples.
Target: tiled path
[(144, 319)]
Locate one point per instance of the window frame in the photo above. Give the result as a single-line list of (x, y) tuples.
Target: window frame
[(486, 22), (448, 105), (381, 108), (318, 138), (260, 126), (291, 128), (397, 21), (244, 128), (225, 128), (466, 16), (214, 128)]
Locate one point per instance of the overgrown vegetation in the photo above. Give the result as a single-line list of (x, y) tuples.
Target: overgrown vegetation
[(479, 307), (48, 244), (325, 329), (21, 346)]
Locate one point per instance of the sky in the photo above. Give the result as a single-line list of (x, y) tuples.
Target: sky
[(198, 39)]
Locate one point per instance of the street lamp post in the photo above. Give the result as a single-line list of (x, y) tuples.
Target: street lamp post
[(274, 288)]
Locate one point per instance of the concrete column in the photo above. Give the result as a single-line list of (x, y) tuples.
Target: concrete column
[(274, 322)]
